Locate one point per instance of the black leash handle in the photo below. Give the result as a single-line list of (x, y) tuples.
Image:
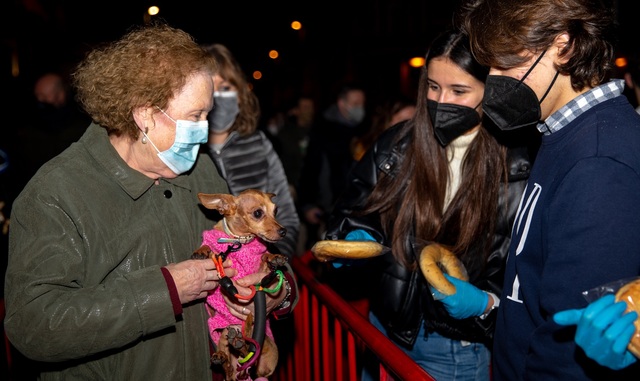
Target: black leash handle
[(260, 322)]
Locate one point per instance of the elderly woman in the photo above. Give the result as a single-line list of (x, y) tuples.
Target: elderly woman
[(100, 284)]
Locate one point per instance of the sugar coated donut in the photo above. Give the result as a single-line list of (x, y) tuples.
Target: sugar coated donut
[(630, 293), (434, 258), (328, 250)]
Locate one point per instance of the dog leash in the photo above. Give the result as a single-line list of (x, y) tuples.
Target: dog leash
[(260, 322), (218, 259), (259, 301)]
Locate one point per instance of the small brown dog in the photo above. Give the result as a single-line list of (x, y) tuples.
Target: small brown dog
[(249, 220)]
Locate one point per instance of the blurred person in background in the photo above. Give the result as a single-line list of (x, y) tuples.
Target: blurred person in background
[(272, 127), (56, 121), (243, 154), (385, 115), (56, 108), (294, 138), (439, 177), (51, 89), (328, 160)]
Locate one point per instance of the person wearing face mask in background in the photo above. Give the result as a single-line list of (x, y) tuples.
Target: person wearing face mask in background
[(439, 177), (243, 154), (294, 138), (395, 109), (55, 121), (328, 159), (100, 283), (578, 224)]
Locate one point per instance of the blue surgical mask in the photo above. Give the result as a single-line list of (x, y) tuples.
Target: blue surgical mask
[(225, 110), (181, 156)]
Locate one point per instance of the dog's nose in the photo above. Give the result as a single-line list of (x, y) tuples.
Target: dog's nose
[(282, 232)]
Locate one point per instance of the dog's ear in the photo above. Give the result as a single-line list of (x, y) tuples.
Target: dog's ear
[(270, 195), (222, 202)]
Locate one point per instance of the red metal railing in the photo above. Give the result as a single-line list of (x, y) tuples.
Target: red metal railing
[(330, 337)]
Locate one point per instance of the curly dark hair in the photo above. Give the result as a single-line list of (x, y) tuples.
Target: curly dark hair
[(501, 30), (146, 67)]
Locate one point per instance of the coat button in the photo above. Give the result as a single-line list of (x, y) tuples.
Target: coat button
[(167, 194), (387, 166)]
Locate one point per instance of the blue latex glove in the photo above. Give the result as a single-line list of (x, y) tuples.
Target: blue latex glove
[(468, 300), (354, 235), (359, 235), (603, 332)]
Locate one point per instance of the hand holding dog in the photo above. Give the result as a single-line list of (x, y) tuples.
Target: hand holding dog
[(194, 278)]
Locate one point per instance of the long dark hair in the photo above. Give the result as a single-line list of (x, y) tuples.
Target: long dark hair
[(411, 201)]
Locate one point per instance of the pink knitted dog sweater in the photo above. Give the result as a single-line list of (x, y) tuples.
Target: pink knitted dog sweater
[(246, 261)]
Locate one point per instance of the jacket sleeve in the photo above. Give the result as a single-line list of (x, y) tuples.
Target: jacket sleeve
[(287, 213)]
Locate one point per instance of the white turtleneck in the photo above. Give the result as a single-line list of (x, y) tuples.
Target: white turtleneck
[(455, 153)]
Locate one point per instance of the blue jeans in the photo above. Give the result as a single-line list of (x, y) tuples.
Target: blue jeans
[(444, 359)]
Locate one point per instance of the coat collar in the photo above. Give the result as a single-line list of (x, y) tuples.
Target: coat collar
[(135, 184)]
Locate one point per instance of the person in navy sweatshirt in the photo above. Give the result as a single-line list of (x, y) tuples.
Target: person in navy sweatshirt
[(578, 224)]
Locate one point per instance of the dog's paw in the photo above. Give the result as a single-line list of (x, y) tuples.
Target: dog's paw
[(222, 360), (274, 261), (235, 338), (219, 358), (203, 252)]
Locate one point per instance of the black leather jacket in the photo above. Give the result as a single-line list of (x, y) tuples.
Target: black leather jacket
[(403, 299)]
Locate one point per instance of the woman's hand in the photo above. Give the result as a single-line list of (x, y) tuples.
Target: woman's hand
[(195, 278)]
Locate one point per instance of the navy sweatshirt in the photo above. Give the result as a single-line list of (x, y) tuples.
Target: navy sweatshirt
[(577, 227)]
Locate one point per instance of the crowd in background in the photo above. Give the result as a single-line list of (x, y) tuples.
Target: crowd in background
[(46, 119)]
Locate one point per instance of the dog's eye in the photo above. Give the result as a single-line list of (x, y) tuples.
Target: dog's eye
[(258, 213)]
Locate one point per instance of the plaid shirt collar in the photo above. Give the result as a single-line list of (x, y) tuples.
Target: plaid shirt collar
[(567, 113)]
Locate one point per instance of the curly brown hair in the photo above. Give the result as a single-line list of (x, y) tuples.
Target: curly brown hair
[(148, 66), (246, 122), (501, 30)]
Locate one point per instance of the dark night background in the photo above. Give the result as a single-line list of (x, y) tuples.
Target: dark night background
[(365, 41)]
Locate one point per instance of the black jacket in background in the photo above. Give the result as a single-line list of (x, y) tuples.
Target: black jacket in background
[(328, 160)]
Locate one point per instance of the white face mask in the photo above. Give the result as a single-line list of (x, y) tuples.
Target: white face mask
[(356, 114), (225, 110), (181, 156)]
